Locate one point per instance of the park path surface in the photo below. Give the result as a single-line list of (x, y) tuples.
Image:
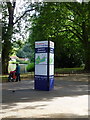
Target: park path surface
[(69, 99)]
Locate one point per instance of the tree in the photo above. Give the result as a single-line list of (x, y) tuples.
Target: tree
[(26, 52), (7, 31), (9, 22), (60, 20), (81, 27)]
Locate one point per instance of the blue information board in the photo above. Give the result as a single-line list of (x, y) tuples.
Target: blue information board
[(44, 65)]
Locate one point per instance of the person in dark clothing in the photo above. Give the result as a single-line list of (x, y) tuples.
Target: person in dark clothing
[(17, 73)]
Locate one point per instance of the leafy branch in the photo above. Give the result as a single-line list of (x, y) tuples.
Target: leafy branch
[(24, 15)]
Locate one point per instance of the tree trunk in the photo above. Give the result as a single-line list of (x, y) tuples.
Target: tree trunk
[(4, 65), (86, 44), (6, 37), (6, 49), (87, 57)]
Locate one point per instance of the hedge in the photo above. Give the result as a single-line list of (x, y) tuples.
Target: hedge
[(30, 67)]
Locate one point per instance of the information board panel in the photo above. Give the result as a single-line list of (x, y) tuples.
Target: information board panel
[(51, 65), (44, 65), (41, 58)]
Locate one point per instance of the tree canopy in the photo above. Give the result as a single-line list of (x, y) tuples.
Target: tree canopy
[(26, 52), (67, 24)]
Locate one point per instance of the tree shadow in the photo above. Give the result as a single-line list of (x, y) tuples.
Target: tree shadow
[(24, 92), (62, 88)]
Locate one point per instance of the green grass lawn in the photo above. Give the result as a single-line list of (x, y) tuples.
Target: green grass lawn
[(68, 70)]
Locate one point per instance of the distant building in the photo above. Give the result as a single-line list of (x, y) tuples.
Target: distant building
[(15, 58), (23, 59), (12, 67)]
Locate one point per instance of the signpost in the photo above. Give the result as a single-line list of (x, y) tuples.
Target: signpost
[(44, 65)]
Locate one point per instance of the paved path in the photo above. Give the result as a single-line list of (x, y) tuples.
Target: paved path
[(69, 99)]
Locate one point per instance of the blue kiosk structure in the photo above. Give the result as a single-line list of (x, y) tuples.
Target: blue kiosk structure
[(44, 65)]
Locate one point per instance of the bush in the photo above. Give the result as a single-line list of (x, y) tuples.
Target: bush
[(30, 67)]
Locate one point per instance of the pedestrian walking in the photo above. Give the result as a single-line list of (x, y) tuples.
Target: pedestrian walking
[(17, 73)]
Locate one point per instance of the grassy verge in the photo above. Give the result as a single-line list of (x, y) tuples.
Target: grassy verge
[(24, 76), (58, 71), (68, 70)]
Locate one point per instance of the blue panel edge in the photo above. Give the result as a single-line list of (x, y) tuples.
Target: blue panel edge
[(42, 83)]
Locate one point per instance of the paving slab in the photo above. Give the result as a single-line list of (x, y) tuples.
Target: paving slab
[(68, 99)]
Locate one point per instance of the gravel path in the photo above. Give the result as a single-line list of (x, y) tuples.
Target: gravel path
[(69, 99)]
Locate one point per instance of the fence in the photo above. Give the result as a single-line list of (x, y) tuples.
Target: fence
[(12, 67)]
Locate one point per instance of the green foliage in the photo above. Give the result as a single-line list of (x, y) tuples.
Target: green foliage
[(26, 52), (62, 23), (11, 30), (20, 53), (69, 54), (66, 24), (68, 70), (30, 67)]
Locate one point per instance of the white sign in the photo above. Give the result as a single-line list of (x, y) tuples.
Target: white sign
[(41, 70), (41, 44), (51, 44)]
